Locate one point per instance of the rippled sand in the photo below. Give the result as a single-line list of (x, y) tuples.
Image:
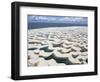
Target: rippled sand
[(57, 46)]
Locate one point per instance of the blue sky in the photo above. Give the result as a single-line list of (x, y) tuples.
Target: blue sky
[(35, 20)]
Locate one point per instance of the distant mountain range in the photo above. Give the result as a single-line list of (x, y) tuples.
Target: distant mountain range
[(40, 21)]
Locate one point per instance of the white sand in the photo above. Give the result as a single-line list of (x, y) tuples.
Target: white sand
[(65, 46)]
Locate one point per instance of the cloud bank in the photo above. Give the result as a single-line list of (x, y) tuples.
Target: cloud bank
[(59, 21)]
